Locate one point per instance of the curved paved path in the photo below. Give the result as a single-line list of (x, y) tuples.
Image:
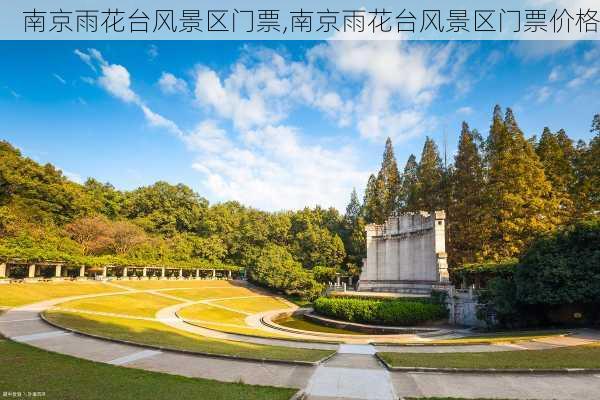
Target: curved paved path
[(352, 374)]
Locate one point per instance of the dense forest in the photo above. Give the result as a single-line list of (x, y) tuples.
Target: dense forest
[(499, 193)]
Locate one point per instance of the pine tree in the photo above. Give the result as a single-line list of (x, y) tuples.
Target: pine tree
[(390, 178), (372, 205), (429, 175), (555, 152), (518, 200), (587, 171), (467, 227), (408, 192), (353, 210)]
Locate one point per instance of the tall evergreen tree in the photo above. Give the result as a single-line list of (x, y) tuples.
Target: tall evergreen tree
[(519, 202), (587, 171), (555, 152), (408, 192), (390, 180), (429, 175), (372, 204), (353, 210), (467, 227)]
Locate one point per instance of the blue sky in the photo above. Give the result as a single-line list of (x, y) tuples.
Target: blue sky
[(276, 125)]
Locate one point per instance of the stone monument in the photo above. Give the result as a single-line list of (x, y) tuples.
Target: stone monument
[(407, 254)]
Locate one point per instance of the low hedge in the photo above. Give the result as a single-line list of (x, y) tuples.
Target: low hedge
[(396, 312)]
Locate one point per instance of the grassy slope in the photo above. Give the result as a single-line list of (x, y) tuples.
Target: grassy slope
[(502, 337), (303, 324), (158, 334), (159, 284), (14, 294), (136, 304), (587, 356), (28, 369)]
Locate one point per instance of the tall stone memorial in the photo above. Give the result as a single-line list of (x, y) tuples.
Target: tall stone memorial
[(407, 254)]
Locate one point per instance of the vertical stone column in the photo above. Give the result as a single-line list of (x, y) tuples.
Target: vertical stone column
[(229, 274), (162, 272), (180, 273), (2, 270), (197, 276), (214, 274), (31, 271), (82, 271), (144, 272), (104, 271), (58, 271), (124, 272)]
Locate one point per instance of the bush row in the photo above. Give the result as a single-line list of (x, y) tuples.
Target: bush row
[(397, 312)]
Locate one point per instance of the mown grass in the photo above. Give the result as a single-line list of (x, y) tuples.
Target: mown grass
[(17, 294), (207, 293), (305, 325), (585, 356), (162, 284), (157, 334), (136, 304), (503, 337), (254, 305), (27, 369), (206, 312)]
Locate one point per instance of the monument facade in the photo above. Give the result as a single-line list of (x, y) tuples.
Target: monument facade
[(407, 254)]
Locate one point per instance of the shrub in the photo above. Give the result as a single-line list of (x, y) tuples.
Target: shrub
[(384, 312), (275, 268)]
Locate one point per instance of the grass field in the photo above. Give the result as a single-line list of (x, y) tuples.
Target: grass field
[(12, 295), (27, 369), (502, 337), (161, 284), (157, 334), (304, 324), (586, 356), (136, 304)]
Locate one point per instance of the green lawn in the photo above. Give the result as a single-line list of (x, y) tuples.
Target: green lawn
[(28, 369), (158, 334), (136, 304), (160, 284), (17, 294), (206, 293), (587, 356), (254, 305), (206, 312), (502, 337)]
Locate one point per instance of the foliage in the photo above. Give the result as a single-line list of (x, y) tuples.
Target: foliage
[(563, 268), (385, 312), (325, 274), (479, 273), (276, 268)]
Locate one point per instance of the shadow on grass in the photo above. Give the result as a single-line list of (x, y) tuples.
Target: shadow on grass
[(156, 334)]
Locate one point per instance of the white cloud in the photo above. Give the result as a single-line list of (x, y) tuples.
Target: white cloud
[(555, 74), (170, 84), (543, 94), (59, 78), (86, 58), (537, 49), (115, 79), (466, 110)]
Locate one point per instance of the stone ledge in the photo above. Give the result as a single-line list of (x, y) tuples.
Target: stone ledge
[(533, 371)]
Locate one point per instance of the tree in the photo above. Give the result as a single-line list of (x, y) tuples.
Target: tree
[(165, 208), (518, 201), (562, 268), (372, 204), (93, 234), (125, 236), (409, 190), (354, 209), (429, 177), (390, 181), (596, 124), (467, 227), (556, 155)]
